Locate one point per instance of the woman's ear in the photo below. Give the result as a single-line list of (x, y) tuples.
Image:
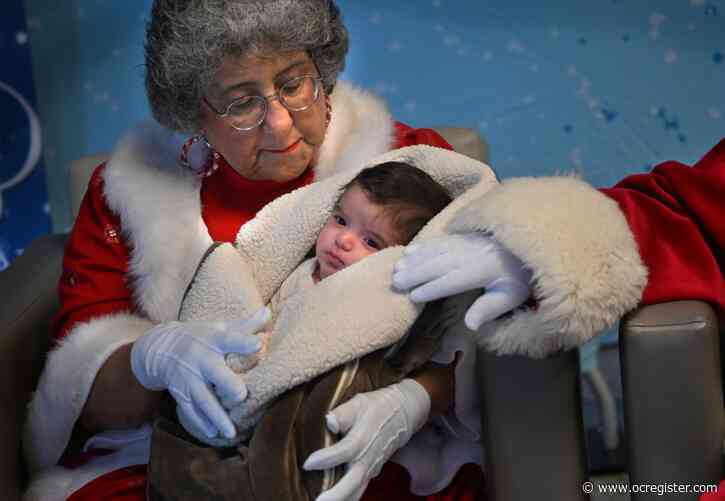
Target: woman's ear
[(328, 108)]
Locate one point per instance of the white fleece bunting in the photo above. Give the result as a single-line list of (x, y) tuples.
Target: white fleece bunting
[(57, 404), (347, 315)]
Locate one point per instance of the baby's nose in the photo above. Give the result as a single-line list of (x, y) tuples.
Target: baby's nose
[(346, 240)]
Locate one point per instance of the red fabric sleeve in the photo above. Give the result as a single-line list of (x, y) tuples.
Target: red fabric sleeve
[(93, 282), (408, 136), (129, 484), (718, 495), (677, 215), (125, 484)]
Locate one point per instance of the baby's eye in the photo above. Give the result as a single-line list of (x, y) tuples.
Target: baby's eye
[(373, 244), (340, 220)]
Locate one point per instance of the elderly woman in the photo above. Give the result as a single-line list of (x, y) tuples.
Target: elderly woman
[(255, 86)]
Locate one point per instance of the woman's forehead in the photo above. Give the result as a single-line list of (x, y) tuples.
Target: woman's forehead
[(259, 68)]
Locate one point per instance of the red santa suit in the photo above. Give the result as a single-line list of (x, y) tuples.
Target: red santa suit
[(716, 495), (141, 231), (676, 214)]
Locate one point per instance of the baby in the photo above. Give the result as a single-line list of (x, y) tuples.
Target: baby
[(382, 206)]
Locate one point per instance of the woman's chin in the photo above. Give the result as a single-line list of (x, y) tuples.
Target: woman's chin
[(284, 170), (281, 174)]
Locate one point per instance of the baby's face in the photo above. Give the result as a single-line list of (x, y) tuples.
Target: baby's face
[(356, 229)]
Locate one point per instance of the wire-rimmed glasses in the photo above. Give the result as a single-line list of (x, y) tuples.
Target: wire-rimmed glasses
[(248, 112)]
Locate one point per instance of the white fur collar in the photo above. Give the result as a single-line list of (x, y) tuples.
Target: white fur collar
[(361, 129), (159, 203), (160, 211)]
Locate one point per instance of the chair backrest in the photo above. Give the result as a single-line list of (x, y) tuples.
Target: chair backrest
[(463, 140), (79, 173), (30, 298), (466, 141)]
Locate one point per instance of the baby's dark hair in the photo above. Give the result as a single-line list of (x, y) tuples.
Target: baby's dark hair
[(409, 195)]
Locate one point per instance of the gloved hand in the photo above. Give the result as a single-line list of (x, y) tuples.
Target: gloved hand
[(187, 358), (453, 264), (375, 424)]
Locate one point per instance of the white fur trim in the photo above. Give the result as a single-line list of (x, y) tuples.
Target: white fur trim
[(361, 128), (66, 381), (160, 211), (587, 271), (131, 447)]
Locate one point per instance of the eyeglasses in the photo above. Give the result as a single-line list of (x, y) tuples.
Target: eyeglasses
[(248, 112)]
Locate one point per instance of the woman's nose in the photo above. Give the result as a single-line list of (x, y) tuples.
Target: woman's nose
[(278, 119)]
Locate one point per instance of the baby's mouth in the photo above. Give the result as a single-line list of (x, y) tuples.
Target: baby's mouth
[(335, 261)]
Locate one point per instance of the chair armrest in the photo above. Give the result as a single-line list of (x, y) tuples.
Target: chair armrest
[(673, 402), (533, 431), (29, 288)]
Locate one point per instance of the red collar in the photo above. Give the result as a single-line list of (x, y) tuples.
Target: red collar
[(229, 200)]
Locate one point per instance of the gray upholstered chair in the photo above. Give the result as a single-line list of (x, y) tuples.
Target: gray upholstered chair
[(673, 394), (532, 417)]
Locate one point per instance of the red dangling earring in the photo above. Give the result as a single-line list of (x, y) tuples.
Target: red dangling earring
[(328, 110), (209, 166)]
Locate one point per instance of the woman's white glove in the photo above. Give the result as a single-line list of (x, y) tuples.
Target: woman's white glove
[(187, 358), (375, 424), (453, 264)]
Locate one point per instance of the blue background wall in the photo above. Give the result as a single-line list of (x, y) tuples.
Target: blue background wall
[(24, 212), (603, 87)]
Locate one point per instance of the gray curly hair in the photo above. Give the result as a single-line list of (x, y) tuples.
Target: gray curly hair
[(187, 41)]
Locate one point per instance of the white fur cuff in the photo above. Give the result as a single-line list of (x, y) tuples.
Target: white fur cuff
[(586, 267), (66, 381)]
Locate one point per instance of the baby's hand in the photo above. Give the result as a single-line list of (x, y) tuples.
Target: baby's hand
[(241, 363)]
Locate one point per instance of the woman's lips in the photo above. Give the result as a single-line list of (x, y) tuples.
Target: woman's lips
[(288, 149)]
